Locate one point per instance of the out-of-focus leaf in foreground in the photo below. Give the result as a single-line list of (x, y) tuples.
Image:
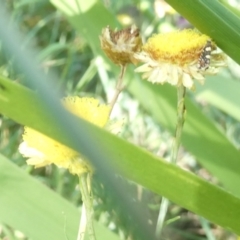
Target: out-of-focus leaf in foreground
[(29, 206), (183, 188)]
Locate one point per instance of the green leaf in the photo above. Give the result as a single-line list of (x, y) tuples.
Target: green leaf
[(223, 93), (29, 206), (115, 154)]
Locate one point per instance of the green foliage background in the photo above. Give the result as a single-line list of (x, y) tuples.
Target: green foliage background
[(67, 35)]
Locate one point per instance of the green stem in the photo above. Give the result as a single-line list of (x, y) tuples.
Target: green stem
[(181, 90), (207, 229), (82, 224), (180, 122), (119, 87), (86, 221)]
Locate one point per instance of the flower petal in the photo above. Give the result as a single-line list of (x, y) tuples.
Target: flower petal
[(187, 81)]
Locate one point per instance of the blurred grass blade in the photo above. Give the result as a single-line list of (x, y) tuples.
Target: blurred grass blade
[(38, 212), (52, 50), (181, 187), (66, 126), (213, 19), (227, 101), (87, 76), (82, 18), (40, 25)]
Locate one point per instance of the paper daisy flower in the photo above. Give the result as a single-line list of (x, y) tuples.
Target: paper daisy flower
[(42, 150), (120, 45), (179, 58)]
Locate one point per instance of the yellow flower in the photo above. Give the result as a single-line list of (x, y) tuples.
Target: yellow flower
[(42, 150), (119, 46), (179, 57)]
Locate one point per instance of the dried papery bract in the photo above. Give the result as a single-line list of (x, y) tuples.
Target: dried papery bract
[(120, 45)]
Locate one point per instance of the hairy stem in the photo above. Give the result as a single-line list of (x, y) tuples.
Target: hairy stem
[(181, 90), (119, 87), (86, 222)]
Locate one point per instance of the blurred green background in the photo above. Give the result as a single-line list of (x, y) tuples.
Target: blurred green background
[(82, 69)]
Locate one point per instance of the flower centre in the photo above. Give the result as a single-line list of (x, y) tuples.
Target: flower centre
[(177, 47)]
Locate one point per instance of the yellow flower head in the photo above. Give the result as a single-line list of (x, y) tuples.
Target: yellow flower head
[(179, 57), (42, 150), (119, 46)]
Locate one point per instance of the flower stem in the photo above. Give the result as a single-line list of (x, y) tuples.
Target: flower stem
[(181, 90), (118, 88), (82, 224), (86, 221)]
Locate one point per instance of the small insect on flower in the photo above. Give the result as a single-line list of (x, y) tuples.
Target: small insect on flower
[(205, 57), (179, 58)]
